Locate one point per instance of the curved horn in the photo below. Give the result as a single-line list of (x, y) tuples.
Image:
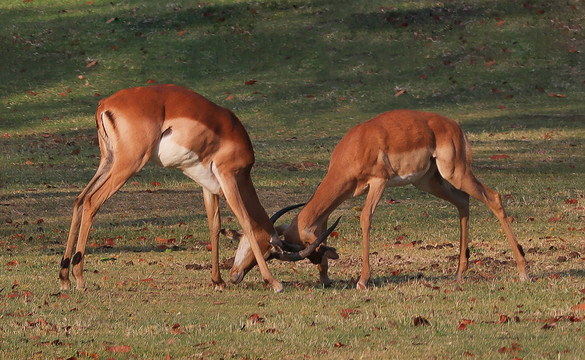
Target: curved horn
[(296, 256), (281, 212)]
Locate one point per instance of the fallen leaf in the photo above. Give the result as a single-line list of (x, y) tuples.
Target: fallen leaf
[(579, 307), (255, 318), (12, 263), (399, 92), (250, 82), (346, 312), (499, 157), (164, 241), (421, 321), (118, 348), (92, 63), (176, 329), (549, 326)]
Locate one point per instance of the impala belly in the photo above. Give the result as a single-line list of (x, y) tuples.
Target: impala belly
[(172, 155), (405, 169)]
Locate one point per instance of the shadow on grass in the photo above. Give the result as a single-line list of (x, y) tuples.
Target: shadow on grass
[(235, 41)]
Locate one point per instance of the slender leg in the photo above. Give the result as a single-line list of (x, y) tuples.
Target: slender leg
[(212, 207), (493, 200), (92, 201), (435, 185), (98, 179), (322, 261), (374, 194), (244, 203)]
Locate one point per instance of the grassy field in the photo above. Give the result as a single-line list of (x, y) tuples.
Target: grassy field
[(299, 74)]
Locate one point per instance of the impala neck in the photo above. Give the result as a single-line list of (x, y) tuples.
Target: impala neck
[(312, 219)]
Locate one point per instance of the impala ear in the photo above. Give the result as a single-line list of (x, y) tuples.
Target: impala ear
[(328, 252), (280, 229)]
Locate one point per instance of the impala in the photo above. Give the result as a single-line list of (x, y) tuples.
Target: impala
[(177, 128), (398, 148)]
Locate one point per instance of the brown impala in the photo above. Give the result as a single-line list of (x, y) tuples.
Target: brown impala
[(177, 128), (397, 148)]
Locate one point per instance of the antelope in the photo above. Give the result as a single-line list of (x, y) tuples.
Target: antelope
[(175, 127), (397, 148)]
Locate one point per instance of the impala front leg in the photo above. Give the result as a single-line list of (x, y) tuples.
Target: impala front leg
[(213, 219), (463, 243), (374, 194), (243, 201)]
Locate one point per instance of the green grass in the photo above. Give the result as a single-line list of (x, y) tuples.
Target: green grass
[(511, 72)]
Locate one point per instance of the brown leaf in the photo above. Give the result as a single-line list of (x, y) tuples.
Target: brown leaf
[(421, 321), (255, 318), (164, 241), (499, 157), (12, 263), (92, 63), (250, 82), (118, 348), (346, 312), (176, 329), (399, 92), (549, 326), (579, 307)]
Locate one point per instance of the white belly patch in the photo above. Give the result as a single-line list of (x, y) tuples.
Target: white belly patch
[(401, 180), (169, 154)]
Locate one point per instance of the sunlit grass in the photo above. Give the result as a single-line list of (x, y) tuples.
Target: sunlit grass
[(510, 72)]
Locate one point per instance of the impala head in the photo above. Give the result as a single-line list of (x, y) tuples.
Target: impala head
[(280, 249)]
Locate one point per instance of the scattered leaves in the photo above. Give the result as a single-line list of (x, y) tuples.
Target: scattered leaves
[(346, 312)]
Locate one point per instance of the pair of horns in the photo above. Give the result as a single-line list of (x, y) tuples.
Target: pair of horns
[(299, 254)]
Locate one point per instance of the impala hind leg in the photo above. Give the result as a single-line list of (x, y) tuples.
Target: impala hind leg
[(493, 200), (98, 179), (97, 194), (213, 219), (434, 184), (374, 194)]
